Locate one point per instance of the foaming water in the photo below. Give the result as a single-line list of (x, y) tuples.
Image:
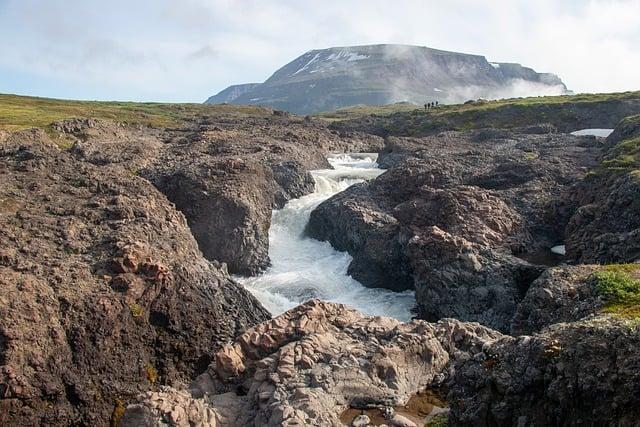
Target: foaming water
[(304, 268)]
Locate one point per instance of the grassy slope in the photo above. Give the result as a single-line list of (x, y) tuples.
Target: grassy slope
[(360, 111), (619, 284), (22, 112), (625, 155), (567, 113), (365, 110)]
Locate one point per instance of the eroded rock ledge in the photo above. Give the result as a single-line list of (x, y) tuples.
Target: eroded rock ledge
[(224, 173), (464, 218), (309, 364)]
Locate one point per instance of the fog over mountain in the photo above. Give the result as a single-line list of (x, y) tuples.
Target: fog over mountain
[(327, 79)]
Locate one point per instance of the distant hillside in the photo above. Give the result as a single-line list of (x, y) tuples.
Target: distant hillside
[(231, 93), (327, 79)]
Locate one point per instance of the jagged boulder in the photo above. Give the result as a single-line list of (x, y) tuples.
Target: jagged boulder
[(578, 373), (309, 364), (560, 294)]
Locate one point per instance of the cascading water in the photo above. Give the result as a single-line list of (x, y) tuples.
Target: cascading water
[(304, 268)]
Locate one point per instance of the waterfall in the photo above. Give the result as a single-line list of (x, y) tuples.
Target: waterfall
[(304, 268)]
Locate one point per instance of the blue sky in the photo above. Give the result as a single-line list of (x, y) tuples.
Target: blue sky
[(187, 50)]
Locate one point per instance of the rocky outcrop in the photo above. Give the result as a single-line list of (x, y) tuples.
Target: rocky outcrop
[(467, 219), (308, 365), (571, 374), (560, 294), (605, 227), (224, 173), (103, 291)]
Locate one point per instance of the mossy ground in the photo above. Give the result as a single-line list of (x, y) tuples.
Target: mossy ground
[(440, 420), (136, 310), (624, 157), (619, 284), (359, 111), (24, 112)]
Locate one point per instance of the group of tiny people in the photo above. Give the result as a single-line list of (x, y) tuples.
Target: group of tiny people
[(430, 105)]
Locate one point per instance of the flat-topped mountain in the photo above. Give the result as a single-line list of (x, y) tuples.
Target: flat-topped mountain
[(327, 79)]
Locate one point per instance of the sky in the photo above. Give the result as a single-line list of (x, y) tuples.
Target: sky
[(187, 50)]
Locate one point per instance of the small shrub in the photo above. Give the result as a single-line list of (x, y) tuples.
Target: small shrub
[(619, 284), (136, 310), (439, 420), (152, 374)]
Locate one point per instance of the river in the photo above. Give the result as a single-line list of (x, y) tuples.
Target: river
[(303, 268)]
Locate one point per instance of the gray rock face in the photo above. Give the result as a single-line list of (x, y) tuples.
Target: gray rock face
[(327, 79), (560, 294), (582, 373), (308, 365), (465, 218), (605, 227), (231, 93)]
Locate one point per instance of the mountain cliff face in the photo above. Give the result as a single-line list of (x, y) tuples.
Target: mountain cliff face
[(327, 79), (231, 93)]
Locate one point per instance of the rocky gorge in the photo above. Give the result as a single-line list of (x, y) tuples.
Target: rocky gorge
[(122, 242)]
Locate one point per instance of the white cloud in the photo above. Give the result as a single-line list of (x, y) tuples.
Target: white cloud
[(187, 50)]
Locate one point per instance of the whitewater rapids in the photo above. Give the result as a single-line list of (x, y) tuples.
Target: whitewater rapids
[(303, 268)]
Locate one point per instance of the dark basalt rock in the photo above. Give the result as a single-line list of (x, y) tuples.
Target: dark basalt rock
[(560, 294), (456, 217), (605, 225), (581, 373)]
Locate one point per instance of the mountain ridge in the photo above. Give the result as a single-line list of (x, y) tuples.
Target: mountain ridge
[(327, 79)]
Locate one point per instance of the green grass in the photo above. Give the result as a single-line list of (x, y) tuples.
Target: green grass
[(624, 157), (359, 111), (564, 112), (440, 420), (367, 110), (619, 284), (23, 112)]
